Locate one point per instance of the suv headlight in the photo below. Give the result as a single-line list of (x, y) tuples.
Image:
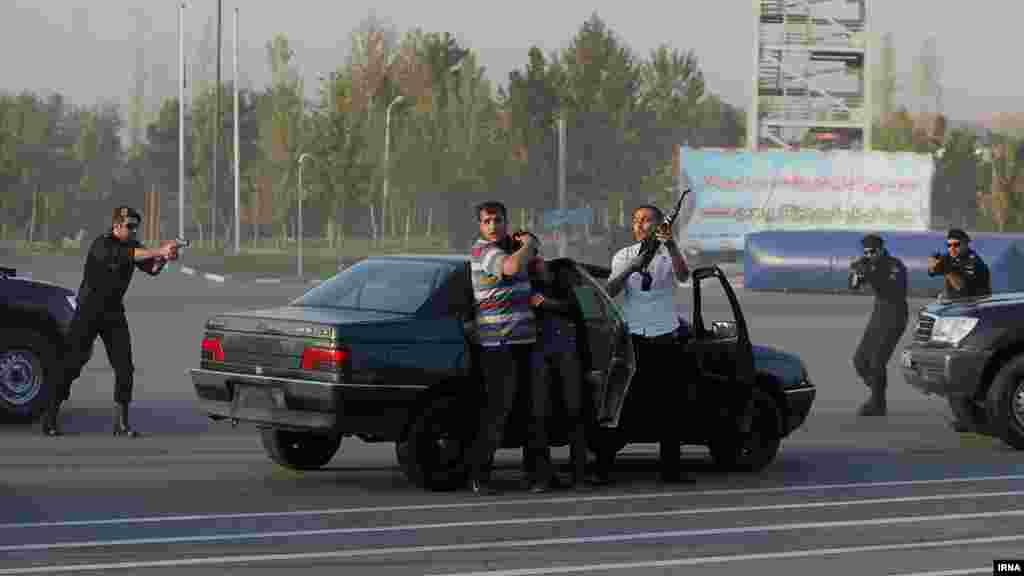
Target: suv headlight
[(953, 329), (72, 301)]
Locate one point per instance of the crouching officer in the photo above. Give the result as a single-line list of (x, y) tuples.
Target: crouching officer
[(963, 272), (887, 276), (109, 265)]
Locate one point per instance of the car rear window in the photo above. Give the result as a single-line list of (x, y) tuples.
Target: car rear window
[(401, 286)]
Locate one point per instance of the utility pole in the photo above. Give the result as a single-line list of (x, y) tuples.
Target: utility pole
[(238, 174), (216, 138), (563, 240), (181, 120)]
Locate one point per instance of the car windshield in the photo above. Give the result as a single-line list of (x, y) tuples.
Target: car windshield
[(401, 286)]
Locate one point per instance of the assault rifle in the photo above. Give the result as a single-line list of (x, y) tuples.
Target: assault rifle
[(649, 246)]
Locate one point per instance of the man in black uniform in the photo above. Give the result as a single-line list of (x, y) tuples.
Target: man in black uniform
[(112, 259), (887, 276), (964, 275), (963, 271)]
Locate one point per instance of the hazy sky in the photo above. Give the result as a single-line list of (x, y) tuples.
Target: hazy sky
[(87, 48)]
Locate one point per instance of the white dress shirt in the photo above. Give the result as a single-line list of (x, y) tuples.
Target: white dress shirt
[(654, 312)]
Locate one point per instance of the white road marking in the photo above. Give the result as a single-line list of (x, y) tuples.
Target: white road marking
[(488, 503), (961, 572), (616, 537), (267, 281), (214, 277), (638, 515), (747, 557), (189, 271), (338, 554)]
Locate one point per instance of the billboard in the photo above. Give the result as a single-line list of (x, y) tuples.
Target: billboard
[(737, 192)]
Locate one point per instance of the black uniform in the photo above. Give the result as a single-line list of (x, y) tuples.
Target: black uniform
[(887, 276), (976, 279), (108, 272)]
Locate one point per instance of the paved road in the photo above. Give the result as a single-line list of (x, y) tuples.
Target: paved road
[(899, 495)]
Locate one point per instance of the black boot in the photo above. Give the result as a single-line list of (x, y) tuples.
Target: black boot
[(50, 427), (121, 427), (875, 406)]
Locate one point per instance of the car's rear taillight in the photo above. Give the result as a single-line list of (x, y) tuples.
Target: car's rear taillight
[(326, 359), (212, 349)]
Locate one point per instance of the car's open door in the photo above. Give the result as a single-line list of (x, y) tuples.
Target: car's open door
[(611, 364), (721, 346)]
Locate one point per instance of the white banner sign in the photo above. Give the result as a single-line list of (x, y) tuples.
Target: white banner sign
[(736, 192)]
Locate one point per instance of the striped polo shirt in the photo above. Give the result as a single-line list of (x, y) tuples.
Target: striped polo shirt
[(503, 313)]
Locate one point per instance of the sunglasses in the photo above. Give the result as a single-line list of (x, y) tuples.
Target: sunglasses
[(870, 251)]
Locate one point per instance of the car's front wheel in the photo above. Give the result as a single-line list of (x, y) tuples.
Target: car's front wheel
[(28, 374), (438, 445), (757, 448), (300, 450), (1005, 403)]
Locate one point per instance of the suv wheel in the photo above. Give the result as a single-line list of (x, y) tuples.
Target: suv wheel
[(1005, 403), (28, 374)]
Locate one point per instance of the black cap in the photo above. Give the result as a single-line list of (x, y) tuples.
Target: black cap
[(958, 234), (872, 241)]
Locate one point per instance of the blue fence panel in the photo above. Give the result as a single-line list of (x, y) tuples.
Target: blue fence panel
[(818, 261)]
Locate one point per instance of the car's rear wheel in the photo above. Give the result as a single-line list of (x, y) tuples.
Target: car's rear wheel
[(28, 374), (300, 450), (1005, 403), (752, 451), (438, 445)]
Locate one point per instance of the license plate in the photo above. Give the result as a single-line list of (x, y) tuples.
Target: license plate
[(907, 362), (259, 397)]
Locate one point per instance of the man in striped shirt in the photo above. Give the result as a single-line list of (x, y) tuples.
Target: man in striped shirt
[(506, 329)]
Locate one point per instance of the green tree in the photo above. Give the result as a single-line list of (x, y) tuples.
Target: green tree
[(340, 177), (282, 119)]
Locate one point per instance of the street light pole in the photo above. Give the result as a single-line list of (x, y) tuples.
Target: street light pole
[(181, 120), (299, 235), (387, 166), (238, 208)]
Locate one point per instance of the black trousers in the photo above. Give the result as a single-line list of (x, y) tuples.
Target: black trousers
[(561, 371), (882, 334), (663, 379), (112, 327), (505, 372)]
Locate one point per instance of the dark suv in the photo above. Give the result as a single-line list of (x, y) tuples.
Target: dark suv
[(35, 316), (971, 352)]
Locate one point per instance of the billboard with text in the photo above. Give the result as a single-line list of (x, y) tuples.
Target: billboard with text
[(736, 192)]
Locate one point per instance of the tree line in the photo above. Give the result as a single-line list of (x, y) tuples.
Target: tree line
[(454, 140)]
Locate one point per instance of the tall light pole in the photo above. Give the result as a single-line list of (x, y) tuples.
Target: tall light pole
[(299, 235), (181, 120), (216, 125), (238, 176), (387, 166), (563, 239)]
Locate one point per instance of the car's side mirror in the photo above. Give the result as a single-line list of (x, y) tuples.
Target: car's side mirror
[(723, 329)]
